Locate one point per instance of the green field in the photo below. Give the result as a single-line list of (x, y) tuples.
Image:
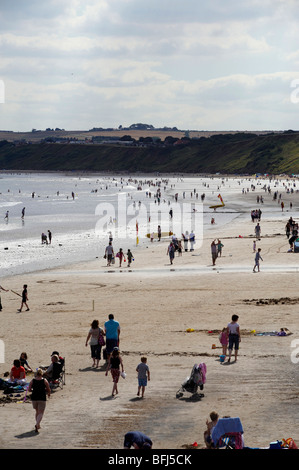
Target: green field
[(236, 153)]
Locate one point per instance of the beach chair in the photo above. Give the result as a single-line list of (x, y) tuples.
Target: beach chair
[(228, 434), (58, 376)]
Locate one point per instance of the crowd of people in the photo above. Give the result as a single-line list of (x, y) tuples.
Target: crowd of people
[(40, 386)]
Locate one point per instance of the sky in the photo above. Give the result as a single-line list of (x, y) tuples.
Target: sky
[(195, 65)]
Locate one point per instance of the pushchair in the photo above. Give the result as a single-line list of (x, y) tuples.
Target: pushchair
[(196, 380)]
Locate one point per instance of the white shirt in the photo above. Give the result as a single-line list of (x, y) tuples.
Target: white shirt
[(232, 328)]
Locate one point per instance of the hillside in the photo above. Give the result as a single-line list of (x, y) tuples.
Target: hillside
[(238, 153)]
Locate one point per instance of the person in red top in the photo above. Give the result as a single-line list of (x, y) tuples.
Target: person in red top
[(17, 372)]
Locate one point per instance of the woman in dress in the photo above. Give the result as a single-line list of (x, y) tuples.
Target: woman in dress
[(115, 363), (40, 388), (95, 344)]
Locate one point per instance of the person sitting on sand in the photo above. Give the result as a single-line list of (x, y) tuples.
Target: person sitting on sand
[(17, 373), (24, 362), (284, 332), (207, 435)]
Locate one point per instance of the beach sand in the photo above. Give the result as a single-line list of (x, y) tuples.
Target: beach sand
[(156, 304)]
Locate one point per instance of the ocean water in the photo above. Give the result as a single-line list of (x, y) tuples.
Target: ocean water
[(104, 206)]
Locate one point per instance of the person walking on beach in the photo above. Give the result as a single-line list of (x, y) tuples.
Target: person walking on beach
[(129, 257), (186, 240), (170, 252), (112, 332), (24, 299), (40, 388), (159, 233), (234, 337), (143, 376), (6, 216), (115, 363), (109, 253), (257, 231), (95, 346), (23, 213), (120, 256), (219, 247), (50, 237), (5, 290), (214, 252), (257, 260), (192, 240)]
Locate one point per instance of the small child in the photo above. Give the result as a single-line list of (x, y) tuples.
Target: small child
[(219, 247), (257, 260), (24, 299), (223, 338), (24, 362), (129, 257), (143, 376), (120, 256)]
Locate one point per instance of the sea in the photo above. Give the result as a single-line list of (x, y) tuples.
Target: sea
[(84, 211)]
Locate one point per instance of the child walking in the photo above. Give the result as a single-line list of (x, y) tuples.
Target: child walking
[(143, 376), (129, 257), (257, 260), (120, 256), (24, 299)]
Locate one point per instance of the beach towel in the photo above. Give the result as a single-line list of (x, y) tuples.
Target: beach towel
[(226, 425)]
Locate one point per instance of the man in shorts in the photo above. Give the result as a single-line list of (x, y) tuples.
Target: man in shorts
[(112, 332), (109, 253)]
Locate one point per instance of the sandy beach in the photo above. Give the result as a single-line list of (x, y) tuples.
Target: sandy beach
[(156, 304)]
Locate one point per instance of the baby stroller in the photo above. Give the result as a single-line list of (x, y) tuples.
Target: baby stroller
[(196, 380)]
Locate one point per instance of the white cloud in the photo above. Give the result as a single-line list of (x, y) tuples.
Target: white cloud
[(108, 62)]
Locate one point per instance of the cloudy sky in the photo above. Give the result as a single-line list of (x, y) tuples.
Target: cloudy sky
[(193, 64)]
